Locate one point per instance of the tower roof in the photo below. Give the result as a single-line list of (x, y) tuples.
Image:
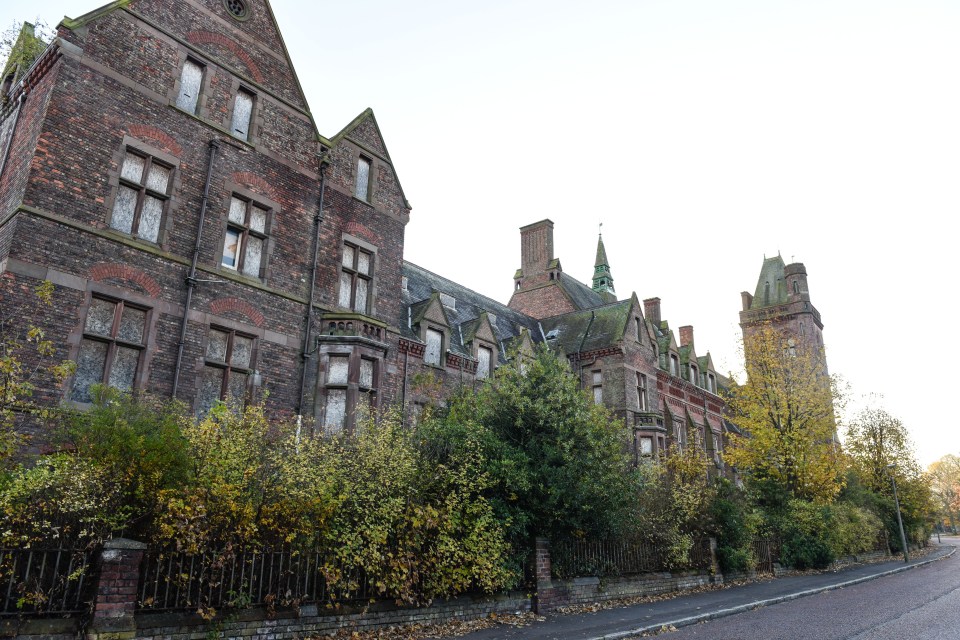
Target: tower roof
[(602, 278), (771, 287)]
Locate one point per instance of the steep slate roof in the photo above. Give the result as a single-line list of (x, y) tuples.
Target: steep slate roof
[(464, 319), (772, 272), (582, 296), (589, 329)]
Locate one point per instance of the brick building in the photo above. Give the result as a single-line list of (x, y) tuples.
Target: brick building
[(160, 165)]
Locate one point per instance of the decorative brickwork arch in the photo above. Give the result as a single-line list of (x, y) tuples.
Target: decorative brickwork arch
[(208, 37), (256, 183), (360, 231), (112, 270), (159, 138), (236, 305)]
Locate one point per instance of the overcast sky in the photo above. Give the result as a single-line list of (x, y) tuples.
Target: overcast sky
[(704, 135)]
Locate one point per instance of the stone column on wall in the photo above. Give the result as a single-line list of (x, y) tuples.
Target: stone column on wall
[(113, 612)]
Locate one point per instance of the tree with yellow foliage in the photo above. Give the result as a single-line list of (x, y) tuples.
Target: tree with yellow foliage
[(785, 411)]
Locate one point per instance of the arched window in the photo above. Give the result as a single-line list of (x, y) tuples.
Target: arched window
[(796, 287)]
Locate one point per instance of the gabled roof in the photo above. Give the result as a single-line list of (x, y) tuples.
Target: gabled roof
[(706, 363), (466, 314), (366, 116), (588, 329)]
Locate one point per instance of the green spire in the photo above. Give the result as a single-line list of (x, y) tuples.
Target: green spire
[(602, 280)]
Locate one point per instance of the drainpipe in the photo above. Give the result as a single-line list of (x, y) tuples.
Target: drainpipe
[(191, 280), (403, 391), (307, 353)]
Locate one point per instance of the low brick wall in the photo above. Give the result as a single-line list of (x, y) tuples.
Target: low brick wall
[(588, 590), (283, 625), (40, 628)]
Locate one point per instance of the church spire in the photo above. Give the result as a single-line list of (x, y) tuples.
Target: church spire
[(602, 280)]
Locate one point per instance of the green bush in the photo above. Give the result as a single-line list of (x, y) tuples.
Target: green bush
[(805, 536)]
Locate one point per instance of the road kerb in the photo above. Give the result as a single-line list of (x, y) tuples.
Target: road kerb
[(722, 613)]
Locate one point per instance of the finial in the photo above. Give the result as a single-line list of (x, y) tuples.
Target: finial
[(601, 228)]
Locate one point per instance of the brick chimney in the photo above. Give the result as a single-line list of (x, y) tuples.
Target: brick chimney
[(536, 247), (651, 309), (686, 336)]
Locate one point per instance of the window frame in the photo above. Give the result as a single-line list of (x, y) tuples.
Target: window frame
[(226, 366), (113, 342), (353, 388), (150, 157), (244, 232), (643, 401), (200, 87), (248, 135), (491, 362), (596, 385), (367, 195), (355, 275), (440, 352)]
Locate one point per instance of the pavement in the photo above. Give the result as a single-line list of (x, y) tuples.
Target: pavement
[(636, 620)]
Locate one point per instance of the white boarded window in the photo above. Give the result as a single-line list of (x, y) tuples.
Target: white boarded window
[(362, 188), (228, 365), (484, 361), (242, 114), (191, 78), (113, 340), (434, 347), (142, 196), (646, 446), (597, 380), (356, 278), (245, 238)]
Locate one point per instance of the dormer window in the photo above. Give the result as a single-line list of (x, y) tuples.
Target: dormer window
[(484, 362), (434, 349), (674, 365), (694, 378), (711, 383)]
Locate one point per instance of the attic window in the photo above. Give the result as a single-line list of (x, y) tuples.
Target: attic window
[(404, 282), (237, 9), (552, 334), (492, 318), (448, 301)]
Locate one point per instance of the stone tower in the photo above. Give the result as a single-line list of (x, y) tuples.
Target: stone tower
[(782, 298)]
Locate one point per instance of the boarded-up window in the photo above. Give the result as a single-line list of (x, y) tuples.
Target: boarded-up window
[(142, 196), (597, 379), (228, 365), (350, 389), (646, 446), (191, 77), (434, 347), (485, 359), (242, 114), (356, 278), (245, 237), (111, 348), (362, 188)]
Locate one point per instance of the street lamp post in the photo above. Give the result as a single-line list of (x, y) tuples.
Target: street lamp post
[(896, 501)]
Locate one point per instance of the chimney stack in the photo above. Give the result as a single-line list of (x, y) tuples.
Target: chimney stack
[(686, 336), (651, 309), (536, 247)]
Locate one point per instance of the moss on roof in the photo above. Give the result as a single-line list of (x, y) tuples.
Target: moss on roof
[(589, 329)]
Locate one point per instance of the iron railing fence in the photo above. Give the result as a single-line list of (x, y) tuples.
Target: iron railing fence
[(172, 580), (46, 581), (617, 558), (766, 552)]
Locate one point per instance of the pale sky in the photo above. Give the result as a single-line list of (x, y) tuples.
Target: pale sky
[(703, 134)]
